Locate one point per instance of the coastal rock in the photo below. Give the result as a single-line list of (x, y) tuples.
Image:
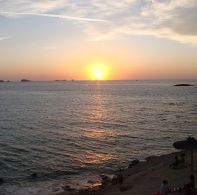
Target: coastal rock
[(182, 84), (1, 81), (1, 181), (133, 163), (34, 175), (68, 188)]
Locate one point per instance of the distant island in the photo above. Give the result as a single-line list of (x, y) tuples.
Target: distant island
[(59, 80), (183, 84), (2, 81), (25, 80), (63, 80)]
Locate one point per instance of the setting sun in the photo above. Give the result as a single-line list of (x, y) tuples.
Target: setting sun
[(98, 75), (98, 72)]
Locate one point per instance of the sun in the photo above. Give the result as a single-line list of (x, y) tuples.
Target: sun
[(98, 75), (98, 72)]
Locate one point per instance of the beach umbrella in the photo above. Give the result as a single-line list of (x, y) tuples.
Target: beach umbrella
[(189, 144)]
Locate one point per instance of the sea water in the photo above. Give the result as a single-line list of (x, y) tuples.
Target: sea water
[(70, 132)]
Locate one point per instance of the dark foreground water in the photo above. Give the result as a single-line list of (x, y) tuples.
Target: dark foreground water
[(70, 132)]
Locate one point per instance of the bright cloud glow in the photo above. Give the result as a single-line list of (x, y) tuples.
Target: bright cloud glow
[(171, 19)]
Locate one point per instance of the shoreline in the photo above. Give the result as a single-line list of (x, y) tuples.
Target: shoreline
[(145, 177)]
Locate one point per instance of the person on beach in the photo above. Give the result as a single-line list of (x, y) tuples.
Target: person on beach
[(120, 176), (175, 163), (183, 158), (189, 188), (164, 189)]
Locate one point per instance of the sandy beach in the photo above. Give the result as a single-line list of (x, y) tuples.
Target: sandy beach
[(145, 178)]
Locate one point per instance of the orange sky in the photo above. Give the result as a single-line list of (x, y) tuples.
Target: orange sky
[(39, 45)]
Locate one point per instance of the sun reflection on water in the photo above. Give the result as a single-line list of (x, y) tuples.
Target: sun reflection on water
[(96, 130), (94, 133), (98, 110), (91, 158)]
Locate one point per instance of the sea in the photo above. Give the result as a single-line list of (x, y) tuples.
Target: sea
[(67, 133)]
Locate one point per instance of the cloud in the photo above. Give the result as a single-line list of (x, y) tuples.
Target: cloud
[(35, 6), (184, 21), (4, 38), (169, 19), (12, 14)]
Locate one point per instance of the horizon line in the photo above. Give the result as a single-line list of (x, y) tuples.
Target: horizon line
[(65, 80)]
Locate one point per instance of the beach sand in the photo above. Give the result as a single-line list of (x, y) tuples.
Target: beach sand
[(145, 178)]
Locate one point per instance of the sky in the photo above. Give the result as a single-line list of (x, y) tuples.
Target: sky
[(97, 39)]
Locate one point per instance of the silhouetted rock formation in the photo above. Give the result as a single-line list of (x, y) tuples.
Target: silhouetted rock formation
[(183, 84), (1, 81), (25, 80), (34, 175), (1, 181)]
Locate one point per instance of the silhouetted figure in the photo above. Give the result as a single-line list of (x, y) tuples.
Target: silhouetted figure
[(175, 163), (189, 188), (164, 189), (182, 160), (120, 178)]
